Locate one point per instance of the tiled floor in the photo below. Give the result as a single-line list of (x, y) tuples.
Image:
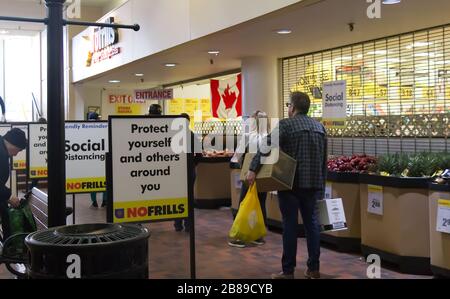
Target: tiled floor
[(169, 250)]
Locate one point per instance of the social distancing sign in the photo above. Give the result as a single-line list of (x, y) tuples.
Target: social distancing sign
[(20, 160), (149, 168), (37, 150), (86, 146)]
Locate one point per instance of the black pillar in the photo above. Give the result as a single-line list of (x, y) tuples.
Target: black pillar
[(55, 114)]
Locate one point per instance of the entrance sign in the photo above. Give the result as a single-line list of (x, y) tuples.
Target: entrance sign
[(334, 103), (37, 151), (86, 145), (148, 175), (153, 94), (20, 161)]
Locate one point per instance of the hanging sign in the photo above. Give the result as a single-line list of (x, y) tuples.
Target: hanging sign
[(375, 199), (334, 103), (443, 216), (86, 144), (148, 175), (153, 94), (20, 160), (37, 147)]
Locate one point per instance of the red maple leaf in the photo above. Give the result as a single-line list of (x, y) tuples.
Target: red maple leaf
[(228, 98)]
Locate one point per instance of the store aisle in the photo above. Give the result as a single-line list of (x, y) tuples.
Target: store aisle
[(169, 251)]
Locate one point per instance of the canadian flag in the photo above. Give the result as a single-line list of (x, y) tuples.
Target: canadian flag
[(226, 98)]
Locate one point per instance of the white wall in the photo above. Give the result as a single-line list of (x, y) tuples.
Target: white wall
[(166, 24), (208, 16)]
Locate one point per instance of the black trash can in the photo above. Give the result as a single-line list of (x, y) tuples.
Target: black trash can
[(104, 251)]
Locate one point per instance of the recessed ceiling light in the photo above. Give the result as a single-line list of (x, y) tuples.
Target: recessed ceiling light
[(284, 31), (214, 52), (170, 64), (391, 1), (114, 81), (139, 75), (4, 31)]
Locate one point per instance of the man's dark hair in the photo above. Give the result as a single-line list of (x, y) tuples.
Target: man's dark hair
[(155, 109), (300, 101)]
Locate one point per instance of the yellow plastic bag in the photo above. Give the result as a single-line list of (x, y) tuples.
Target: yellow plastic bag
[(249, 225)]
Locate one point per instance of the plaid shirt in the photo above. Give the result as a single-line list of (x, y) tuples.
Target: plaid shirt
[(304, 139)]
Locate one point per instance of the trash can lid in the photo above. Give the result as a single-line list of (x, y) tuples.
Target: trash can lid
[(87, 235)]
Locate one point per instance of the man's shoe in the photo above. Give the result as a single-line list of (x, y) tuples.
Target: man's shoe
[(103, 204), (94, 205), (236, 243), (260, 241), (312, 274), (178, 229), (282, 275)]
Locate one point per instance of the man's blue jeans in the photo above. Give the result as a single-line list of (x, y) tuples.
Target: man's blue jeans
[(290, 202)]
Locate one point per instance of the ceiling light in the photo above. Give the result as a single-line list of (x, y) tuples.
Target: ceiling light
[(284, 31), (4, 31), (170, 64), (114, 81), (391, 1), (139, 75), (214, 52), (359, 56)]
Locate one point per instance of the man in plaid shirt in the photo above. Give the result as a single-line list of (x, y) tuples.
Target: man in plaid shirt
[(304, 139)]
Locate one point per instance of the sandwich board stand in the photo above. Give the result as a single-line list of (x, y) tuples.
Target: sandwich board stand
[(85, 148), (150, 172)]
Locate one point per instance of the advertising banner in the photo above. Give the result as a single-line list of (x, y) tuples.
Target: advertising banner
[(334, 103), (20, 161), (149, 172), (37, 147), (86, 144)]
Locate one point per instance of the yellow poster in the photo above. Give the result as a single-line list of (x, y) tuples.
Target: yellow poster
[(128, 109)]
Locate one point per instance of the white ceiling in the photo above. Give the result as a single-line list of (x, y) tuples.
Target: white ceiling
[(316, 25)]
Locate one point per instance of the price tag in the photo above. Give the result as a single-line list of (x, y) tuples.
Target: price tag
[(328, 190), (443, 216), (375, 200)]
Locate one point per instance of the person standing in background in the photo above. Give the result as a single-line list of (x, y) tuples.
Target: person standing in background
[(93, 116), (10, 145), (305, 140), (259, 128)]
